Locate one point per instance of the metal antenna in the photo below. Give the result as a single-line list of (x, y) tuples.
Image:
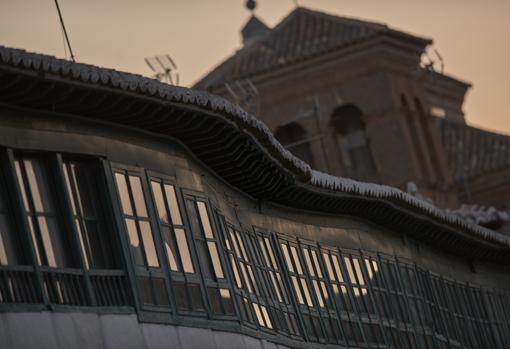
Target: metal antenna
[(164, 68), (440, 59), (65, 31), (244, 93)]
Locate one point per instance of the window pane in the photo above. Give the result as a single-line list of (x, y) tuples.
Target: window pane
[(296, 260), (38, 183), (264, 254), (287, 258), (69, 189), (8, 246), (134, 241), (308, 261), (316, 262), (215, 259), (103, 250), (19, 174), (266, 316), (258, 313), (84, 247), (234, 242), (328, 266), (297, 290), (34, 239), (124, 194), (82, 187), (271, 254), (306, 292), (318, 293), (138, 198), (336, 263), (172, 204), (160, 204), (359, 273), (350, 271), (182, 244), (204, 218), (227, 301), (82, 178), (241, 245), (53, 244), (170, 248), (148, 244)]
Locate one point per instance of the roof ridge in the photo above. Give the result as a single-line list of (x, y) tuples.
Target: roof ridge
[(342, 18)]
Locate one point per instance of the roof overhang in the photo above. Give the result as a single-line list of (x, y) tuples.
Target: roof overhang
[(233, 144)]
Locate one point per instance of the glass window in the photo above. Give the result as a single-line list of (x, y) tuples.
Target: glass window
[(10, 248), (52, 246), (173, 232), (205, 238), (305, 285), (83, 189), (137, 220), (209, 255), (279, 304), (241, 248)]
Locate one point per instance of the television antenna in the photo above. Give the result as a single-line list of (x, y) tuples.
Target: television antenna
[(246, 94), (164, 68)]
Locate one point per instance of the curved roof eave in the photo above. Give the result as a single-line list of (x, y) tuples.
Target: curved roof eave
[(281, 177)]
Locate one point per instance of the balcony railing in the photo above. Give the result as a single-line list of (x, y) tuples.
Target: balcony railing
[(68, 287)]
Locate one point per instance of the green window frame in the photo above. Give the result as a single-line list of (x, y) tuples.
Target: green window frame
[(146, 257), (249, 291), (42, 211), (302, 289), (274, 283), (178, 246), (210, 255)]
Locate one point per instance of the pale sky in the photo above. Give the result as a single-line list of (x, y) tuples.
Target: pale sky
[(473, 36)]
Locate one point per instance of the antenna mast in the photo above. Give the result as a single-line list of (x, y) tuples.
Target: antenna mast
[(65, 31), (246, 94), (164, 69)]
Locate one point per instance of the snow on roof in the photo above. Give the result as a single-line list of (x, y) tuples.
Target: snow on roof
[(248, 123)]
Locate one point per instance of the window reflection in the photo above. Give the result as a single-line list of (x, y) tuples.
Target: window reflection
[(51, 242), (138, 198), (10, 251), (137, 221), (148, 242), (204, 218), (124, 194), (174, 234), (172, 204), (83, 190), (183, 246)]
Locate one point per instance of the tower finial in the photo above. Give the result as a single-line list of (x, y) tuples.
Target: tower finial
[(251, 4)]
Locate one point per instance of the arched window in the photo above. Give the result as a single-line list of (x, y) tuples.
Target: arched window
[(352, 140), (293, 137)]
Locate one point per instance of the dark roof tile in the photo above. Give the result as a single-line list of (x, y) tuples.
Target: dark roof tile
[(474, 152), (302, 34)]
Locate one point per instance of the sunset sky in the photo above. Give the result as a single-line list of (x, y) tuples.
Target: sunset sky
[(473, 36)]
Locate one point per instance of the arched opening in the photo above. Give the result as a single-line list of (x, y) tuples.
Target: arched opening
[(353, 142), (294, 138)]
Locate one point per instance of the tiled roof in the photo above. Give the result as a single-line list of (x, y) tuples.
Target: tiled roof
[(302, 34), (473, 152), (322, 192)]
